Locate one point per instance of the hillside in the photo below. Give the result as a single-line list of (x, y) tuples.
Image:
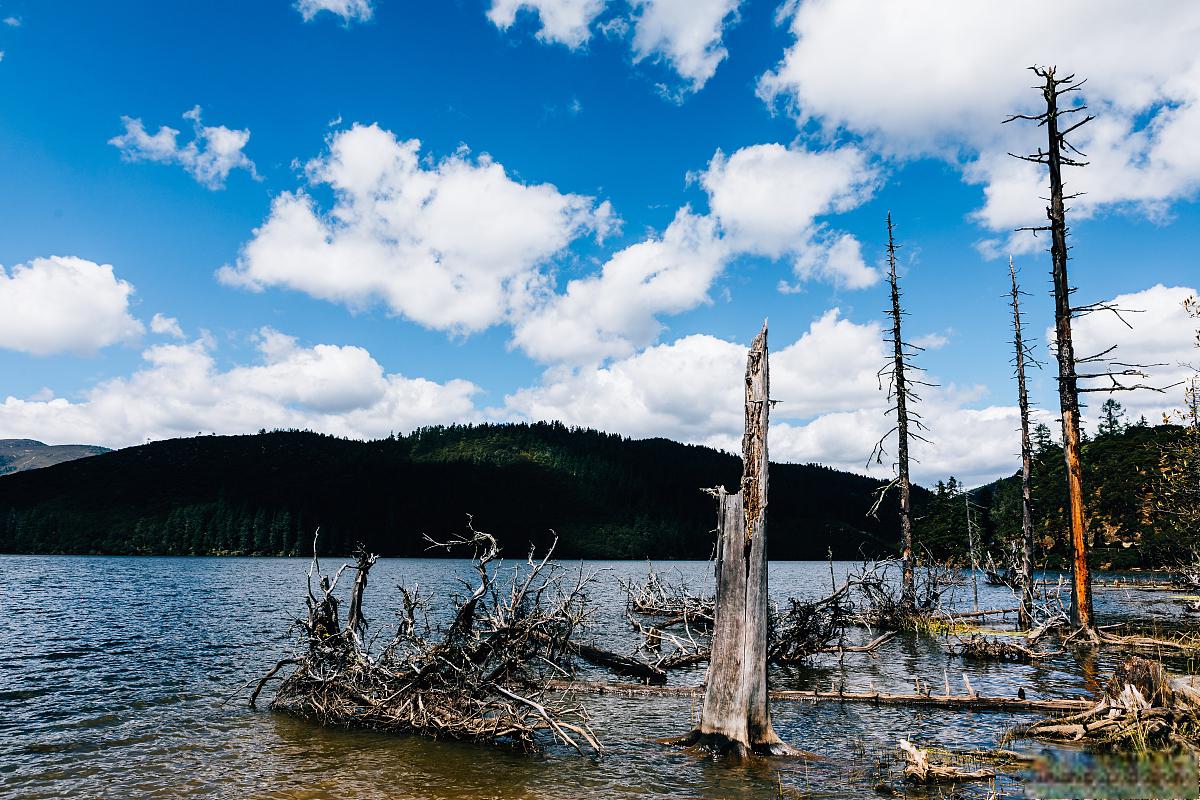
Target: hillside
[(1132, 518), (17, 455), (606, 496)]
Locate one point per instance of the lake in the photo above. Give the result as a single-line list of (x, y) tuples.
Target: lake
[(125, 678)]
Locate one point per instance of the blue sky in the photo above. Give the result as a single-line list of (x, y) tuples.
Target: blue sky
[(618, 116)]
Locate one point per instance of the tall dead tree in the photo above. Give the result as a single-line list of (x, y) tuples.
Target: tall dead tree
[(1055, 157), (908, 422), (735, 717), (1025, 569), (1060, 153)]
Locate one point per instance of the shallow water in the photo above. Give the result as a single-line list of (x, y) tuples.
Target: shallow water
[(124, 677)]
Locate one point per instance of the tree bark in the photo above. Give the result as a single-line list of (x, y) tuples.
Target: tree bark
[(1068, 382), (735, 715), (1025, 613), (908, 592)]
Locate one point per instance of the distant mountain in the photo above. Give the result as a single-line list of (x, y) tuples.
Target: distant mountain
[(605, 495), (17, 455)]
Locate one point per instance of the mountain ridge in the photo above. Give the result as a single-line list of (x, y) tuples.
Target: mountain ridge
[(606, 495)]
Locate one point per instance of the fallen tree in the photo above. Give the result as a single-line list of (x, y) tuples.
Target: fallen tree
[(482, 677), (1142, 708)]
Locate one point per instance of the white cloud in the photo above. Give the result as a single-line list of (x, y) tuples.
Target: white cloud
[(563, 21), (12, 22), (64, 304), (209, 157), (830, 408), (687, 34), (935, 78), (932, 341), (459, 245), (180, 390), (453, 245), (613, 312), (348, 10), (768, 199), (763, 200), (1162, 334), (166, 326)]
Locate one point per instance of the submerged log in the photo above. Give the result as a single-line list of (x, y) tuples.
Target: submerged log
[(969, 703)]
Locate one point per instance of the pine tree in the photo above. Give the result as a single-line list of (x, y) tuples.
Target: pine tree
[(1112, 420)]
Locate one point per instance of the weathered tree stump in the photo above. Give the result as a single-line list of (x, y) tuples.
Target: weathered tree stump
[(735, 716)]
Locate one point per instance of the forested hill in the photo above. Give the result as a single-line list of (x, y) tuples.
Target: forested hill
[(1140, 497), (605, 495)]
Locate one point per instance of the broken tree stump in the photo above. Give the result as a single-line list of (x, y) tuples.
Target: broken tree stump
[(735, 715)]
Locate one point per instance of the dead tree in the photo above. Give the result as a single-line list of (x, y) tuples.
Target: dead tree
[(1059, 153), (735, 716), (908, 422), (1025, 570)]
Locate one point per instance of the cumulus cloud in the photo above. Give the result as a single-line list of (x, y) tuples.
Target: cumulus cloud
[(615, 311), (209, 157), (1162, 334), (166, 326), (459, 245), (453, 245), (686, 34), (935, 78), (830, 408), (348, 10), (563, 21), (768, 199), (180, 390), (64, 304)]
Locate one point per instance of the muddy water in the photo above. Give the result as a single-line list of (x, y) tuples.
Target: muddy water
[(120, 677)]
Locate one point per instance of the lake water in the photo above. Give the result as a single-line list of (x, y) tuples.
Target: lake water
[(124, 678)]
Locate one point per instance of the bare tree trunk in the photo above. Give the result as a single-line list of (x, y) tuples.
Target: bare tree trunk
[(1068, 382), (735, 716), (908, 596), (1055, 157), (1024, 614)]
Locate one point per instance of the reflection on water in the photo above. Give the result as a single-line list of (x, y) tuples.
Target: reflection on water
[(125, 677)]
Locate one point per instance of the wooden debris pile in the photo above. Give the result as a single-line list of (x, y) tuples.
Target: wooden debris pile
[(1143, 708), (884, 604), (482, 677), (920, 768), (986, 648), (658, 596)]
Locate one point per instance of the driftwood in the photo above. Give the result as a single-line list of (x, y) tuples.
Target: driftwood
[(920, 769), (1142, 708), (984, 648), (483, 677), (657, 595), (968, 703)]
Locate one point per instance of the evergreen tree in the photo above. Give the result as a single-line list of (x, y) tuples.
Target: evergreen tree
[(1112, 419)]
